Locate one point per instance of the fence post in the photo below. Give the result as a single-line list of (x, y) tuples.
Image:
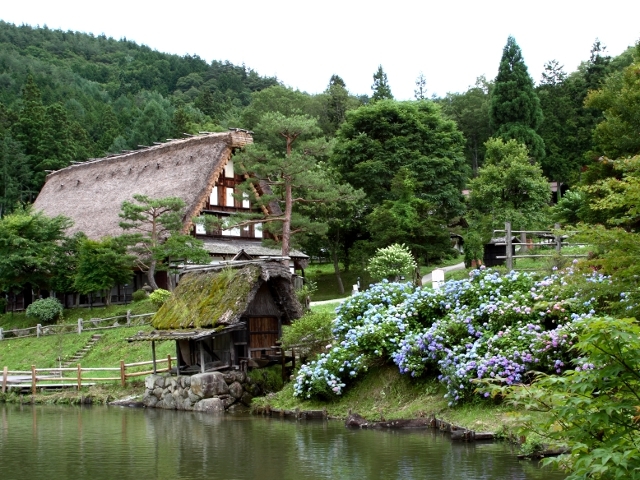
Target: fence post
[(38, 330), (169, 363), (1, 335), (5, 374), (79, 377), (123, 375), (509, 252), (128, 318), (79, 325), (558, 238), (33, 379)]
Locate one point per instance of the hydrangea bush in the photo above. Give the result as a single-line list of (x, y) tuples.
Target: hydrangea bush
[(490, 326)]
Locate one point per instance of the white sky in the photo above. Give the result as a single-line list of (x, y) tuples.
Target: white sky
[(304, 42)]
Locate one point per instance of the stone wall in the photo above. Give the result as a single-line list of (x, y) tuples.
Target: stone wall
[(204, 392)]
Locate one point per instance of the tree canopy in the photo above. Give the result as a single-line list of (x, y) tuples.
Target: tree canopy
[(509, 187), (378, 139)]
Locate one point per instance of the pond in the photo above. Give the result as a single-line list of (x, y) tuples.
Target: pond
[(96, 443)]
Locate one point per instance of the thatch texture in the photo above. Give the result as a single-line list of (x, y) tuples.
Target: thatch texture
[(91, 193), (219, 297)]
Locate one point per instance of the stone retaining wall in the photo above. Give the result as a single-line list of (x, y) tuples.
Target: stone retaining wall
[(204, 392)]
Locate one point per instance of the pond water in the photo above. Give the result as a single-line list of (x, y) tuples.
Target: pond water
[(121, 443)]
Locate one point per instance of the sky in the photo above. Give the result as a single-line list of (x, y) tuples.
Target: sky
[(303, 43)]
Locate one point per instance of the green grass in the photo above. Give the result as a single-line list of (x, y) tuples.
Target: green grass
[(10, 320), (43, 352), (384, 393), (324, 276)]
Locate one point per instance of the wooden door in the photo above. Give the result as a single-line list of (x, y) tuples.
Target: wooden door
[(263, 334)]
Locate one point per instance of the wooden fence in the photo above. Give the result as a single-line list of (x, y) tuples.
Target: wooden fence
[(79, 327), (76, 377), (558, 243)]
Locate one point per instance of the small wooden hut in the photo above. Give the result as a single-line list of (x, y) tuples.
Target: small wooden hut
[(220, 316), (497, 247)]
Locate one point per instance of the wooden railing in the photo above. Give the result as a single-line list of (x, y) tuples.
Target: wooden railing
[(76, 377), (81, 326), (558, 243)]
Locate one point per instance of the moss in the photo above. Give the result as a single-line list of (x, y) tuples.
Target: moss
[(207, 299)]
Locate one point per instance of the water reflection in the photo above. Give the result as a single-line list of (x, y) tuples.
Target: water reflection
[(107, 443)]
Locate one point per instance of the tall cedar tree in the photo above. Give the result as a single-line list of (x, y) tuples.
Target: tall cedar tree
[(515, 111), (380, 87)]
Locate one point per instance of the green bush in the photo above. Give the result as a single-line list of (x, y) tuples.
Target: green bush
[(46, 310), (309, 334), (159, 296), (139, 295), (307, 290)]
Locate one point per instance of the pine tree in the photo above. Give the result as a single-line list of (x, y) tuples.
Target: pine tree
[(515, 111), (380, 87)]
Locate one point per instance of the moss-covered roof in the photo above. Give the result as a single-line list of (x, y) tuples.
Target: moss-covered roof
[(219, 297)]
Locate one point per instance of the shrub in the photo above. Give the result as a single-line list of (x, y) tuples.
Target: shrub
[(159, 296), (391, 262), (307, 290), (46, 310), (139, 295), (309, 333)]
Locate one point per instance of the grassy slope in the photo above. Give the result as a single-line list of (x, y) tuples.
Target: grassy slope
[(10, 320), (385, 394), (21, 353)]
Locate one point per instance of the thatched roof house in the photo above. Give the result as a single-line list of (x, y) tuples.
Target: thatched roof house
[(198, 169), (91, 193), (220, 316)]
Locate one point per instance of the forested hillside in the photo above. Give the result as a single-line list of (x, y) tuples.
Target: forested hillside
[(68, 96)]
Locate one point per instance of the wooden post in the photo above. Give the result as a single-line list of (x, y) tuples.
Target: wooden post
[(38, 330), (558, 238), (79, 325), (509, 252), (153, 356), (33, 379), (283, 359), (169, 363), (1, 335), (123, 374), (79, 377), (128, 316), (5, 374), (201, 357), (177, 358)]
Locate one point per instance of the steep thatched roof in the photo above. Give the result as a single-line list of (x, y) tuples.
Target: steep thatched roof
[(218, 297), (91, 193)]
